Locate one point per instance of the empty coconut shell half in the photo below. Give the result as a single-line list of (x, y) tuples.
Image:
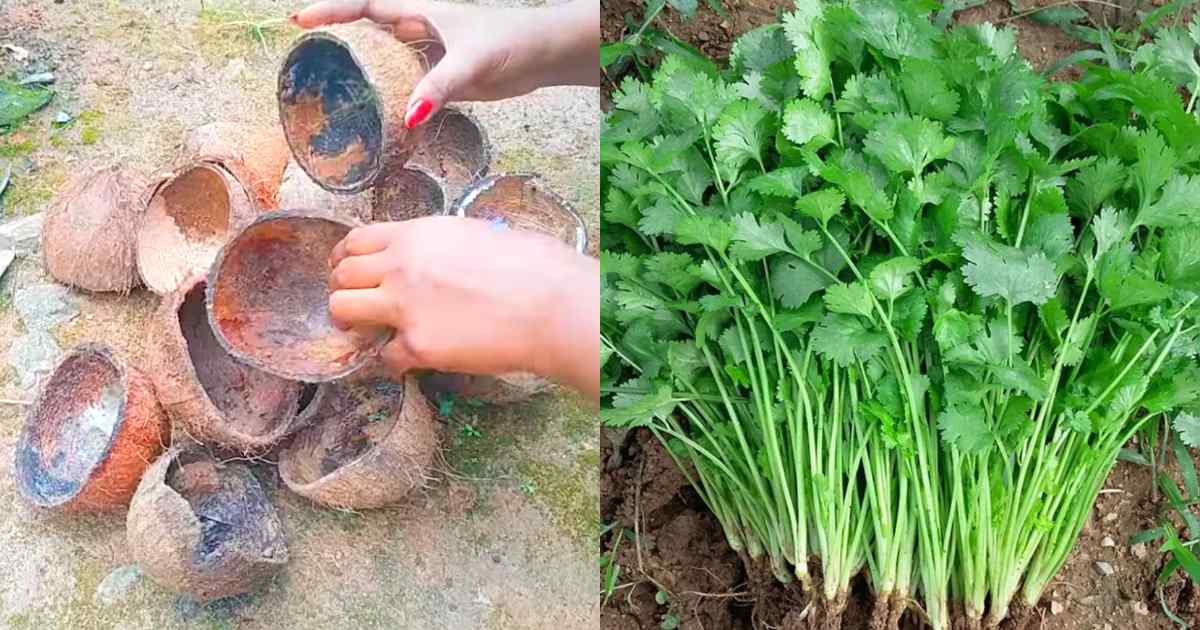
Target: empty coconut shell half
[(213, 397), (408, 193), (90, 434), (298, 191), (342, 96), (190, 215), (256, 154), (268, 299), (370, 445), (454, 148), (88, 237), (204, 528)]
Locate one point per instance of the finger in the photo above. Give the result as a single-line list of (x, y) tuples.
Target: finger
[(340, 11), (352, 308), (359, 272), (397, 356), (362, 241), (412, 30), (439, 87)]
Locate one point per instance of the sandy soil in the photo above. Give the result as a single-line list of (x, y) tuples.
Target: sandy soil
[(504, 539)]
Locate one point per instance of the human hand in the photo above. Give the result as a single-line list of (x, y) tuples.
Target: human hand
[(466, 297), (486, 53)]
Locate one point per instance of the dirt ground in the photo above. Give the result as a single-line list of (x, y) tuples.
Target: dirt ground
[(505, 538), (678, 547)]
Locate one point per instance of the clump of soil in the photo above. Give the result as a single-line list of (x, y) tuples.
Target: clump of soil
[(524, 202), (408, 193), (268, 299), (204, 528)]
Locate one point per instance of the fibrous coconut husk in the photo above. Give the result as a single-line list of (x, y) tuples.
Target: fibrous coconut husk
[(343, 92), (204, 528), (268, 299), (366, 447), (90, 434), (89, 234), (256, 154), (190, 215), (454, 148), (298, 191), (408, 193), (519, 202), (215, 398)]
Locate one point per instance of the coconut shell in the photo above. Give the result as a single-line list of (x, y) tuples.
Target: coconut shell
[(203, 389), (268, 299), (454, 148), (204, 528), (191, 213), (90, 435), (408, 193), (298, 191), (88, 237), (343, 92), (363, 450), (256, 154)]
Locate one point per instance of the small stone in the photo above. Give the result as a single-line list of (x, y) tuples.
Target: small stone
[(45, 306), (1056, 607), (6, 258), (1104, 568), (1140, 608), (33, 355), (116, 585), (22, 234), (1138, 551), (1110, 517), (147, 66), (1108, 542), (187, 608)]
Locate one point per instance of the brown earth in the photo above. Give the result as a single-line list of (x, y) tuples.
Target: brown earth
[(677, 546)]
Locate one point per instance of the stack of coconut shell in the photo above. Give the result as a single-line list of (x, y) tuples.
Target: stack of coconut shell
[(243, 360)]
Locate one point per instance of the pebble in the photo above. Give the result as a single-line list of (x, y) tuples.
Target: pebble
[(1110, 517), (116, 585), (1056, 607), (6, 258), (33, 355), (1104, 568), (1140, 608), (147, 66), (21, 235), (44, 306), (187, 608), (1138, 550), (1108, 542)]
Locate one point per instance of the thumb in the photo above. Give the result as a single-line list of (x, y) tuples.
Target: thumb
[(440, 87)]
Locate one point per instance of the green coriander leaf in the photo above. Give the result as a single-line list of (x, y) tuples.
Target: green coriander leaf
[(1073, 350), (997, 270), (845, 339), (1181, 258), (685, 360), (704, 230), (821, 205), (807, 124), (955, 329), (676, 270), (1125, 286), (1188, 427), (926, 91), (890, 279), (896, 29), (741, 133), (851, 299), (1094, 184), (966, 429), (619, 209), (661, 218), (907, 145), (781, 182), (622, 265), (1155, 163), (908, 314), (860, 189), (760, 49), (1172, 55), (719, 301), (804, 242), (793, 281), (1001, 41), (1079, 421), (731, 345), (1109, 227), (1050, 234), (753, 241), (812, 62), (1177, 205), (1020, 376), (639, 411)]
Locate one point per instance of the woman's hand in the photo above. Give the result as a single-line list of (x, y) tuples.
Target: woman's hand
[(486, 53), (466, 297)]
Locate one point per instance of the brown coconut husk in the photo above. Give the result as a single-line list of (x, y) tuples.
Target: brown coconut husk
[(88, 237), (370, 445), (343, 92), (204, 528), (298, 191), (454, 148), (190, 215), (256, 154), (268, 299), (216, 399), (408, 193), (90, 435)]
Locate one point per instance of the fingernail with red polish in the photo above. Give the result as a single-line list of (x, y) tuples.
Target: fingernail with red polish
[(294, 18), (417, 113)]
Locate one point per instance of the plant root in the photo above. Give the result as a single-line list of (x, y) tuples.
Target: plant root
[(1020, 614), (833, 610), (880, 611), (896, 608)]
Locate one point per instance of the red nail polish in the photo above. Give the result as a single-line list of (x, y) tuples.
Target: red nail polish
[(294, 18), (418, 113)]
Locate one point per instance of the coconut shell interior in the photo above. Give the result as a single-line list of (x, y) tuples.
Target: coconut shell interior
[(408, 194), (352, 418), (297, 190), (453, 147), (523, 202), (268, 300), (331, 114), (72, 428), (260, 152), (254, 402), (188, 219)]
